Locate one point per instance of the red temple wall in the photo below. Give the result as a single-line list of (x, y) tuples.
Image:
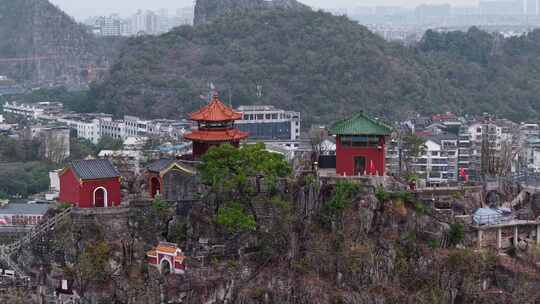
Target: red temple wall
[(113, 192), (69, 188), (178, 265), (345, 163)]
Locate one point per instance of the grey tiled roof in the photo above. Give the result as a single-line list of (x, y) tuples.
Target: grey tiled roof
[(23, 209), (94, 169), (160, 164)]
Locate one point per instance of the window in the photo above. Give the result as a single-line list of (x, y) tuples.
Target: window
[(268, 116), (434, 153), (360, 141), (479, 130), (260, 116), (274, 116)]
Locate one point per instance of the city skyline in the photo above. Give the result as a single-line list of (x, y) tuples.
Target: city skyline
[(81, 10)]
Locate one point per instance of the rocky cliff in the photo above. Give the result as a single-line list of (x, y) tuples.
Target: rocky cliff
[(41, 44), (208, 10), (378, 248)]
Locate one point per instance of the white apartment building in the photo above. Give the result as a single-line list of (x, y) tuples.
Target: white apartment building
[(531, 154), (110, 26), (269, 123), (40, 110), (438, 165), (86, 127)]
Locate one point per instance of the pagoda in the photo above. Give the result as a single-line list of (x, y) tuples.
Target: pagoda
[(215, 126)]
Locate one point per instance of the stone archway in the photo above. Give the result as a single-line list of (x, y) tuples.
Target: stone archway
[(100, 197), (165, 267), (155, 187)]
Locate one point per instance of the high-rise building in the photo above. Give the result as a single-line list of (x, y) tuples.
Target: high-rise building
[(138, 23), (502, 7), (151, 21), (111, 26), (163, 21), (269, 123)]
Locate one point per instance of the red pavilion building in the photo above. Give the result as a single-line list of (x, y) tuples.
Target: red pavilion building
[(360, 146), (90, 183), (215, 126)]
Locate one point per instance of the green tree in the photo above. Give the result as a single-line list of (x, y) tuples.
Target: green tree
[(81, 148), (236, 175), (235, 219), (413, 146)]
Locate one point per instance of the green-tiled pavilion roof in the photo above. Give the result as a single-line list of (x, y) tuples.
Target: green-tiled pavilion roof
[(360, 124)]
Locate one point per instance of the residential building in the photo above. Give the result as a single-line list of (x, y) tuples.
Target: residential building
[(54, 186), (269, 123), (86, 126), (138, 23), (465, 154), (438, 165), (35, 111), (163, 21), (21, 214), (108, 26), (55, 142), (527, 130), (531, 154)]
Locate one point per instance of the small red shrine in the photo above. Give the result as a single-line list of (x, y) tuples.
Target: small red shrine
[(168, 258), (215, 126), (90, 183), (360, 146)]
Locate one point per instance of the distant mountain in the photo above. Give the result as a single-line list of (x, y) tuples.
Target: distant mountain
[(319, 64), (323, 66), (41, 44), (208, 10)]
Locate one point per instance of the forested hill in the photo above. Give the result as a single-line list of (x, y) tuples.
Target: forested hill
[(324, 66), (40, 43)]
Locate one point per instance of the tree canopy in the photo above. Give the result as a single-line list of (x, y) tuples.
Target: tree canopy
[(235, 175)]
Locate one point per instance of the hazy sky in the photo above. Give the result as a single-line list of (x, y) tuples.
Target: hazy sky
[(84, 8)]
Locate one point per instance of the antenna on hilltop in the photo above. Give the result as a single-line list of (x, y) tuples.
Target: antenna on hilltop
[(259, 91)]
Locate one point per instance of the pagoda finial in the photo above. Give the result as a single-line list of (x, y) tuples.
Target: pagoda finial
[(215, 95)]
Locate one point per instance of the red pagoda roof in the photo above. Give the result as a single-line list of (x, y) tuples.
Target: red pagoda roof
[(215, 111), (216, 135)]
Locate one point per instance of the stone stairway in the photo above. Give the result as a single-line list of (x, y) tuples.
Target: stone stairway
[(7, 250)]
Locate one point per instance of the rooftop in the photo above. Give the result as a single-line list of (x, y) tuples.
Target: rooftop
[(217, 136), (165, 163), (94, 169), (24, 209), (256, 108), (360, 124), (215, 111)]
